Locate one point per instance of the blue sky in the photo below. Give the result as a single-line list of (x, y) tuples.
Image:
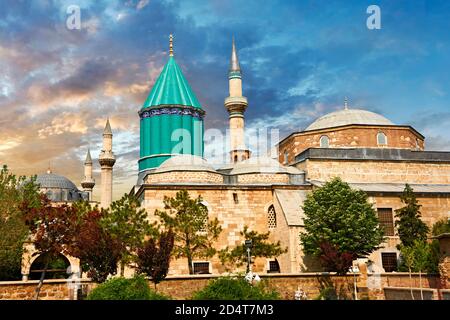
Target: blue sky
[(299, 60)]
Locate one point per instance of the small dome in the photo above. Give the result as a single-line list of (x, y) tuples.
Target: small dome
[(262, 165), (51, 180), (185, 162), (346, 117)]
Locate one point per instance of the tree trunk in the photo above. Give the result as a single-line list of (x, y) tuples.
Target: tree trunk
[(41, 280), (410, 283), (191, 270), (122, 267), (420, 284)]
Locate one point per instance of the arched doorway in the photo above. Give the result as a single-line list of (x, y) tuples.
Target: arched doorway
[(56, 269)]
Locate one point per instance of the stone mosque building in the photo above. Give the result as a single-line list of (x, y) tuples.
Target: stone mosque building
[(363, 148)]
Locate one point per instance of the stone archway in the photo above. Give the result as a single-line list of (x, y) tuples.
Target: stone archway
[(30, 256)]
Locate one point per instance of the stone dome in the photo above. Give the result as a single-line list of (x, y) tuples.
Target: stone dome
[(347, 117), (51, 180), (58, 188), (262, 165), (185, 162)]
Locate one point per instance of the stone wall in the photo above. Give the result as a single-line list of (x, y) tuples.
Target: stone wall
[(351, 136), (250, 208), (183, 287), (377, 171), (185, 177), (50, 290)]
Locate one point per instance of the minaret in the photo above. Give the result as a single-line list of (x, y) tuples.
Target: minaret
[(236, 105), (106, 160), (88, 183)]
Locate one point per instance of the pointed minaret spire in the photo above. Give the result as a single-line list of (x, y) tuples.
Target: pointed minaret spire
[(107, 128), (88, 157), (346, 103), (236, 104), (235, 68), (88, 182), (171, 45)]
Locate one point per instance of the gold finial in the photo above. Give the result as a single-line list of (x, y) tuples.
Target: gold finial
[(49, 170), (346, 103), (171, 45)]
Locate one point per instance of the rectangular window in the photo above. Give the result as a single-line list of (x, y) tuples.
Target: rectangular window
[(386, 219), (201, 267), (389, 261), (274, 266)]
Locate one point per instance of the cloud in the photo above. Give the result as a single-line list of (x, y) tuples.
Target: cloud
[(58, 86)]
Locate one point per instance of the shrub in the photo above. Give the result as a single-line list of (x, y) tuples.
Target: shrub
[(235, 289), (136, 288)]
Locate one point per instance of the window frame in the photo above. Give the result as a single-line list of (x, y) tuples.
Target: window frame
[(201, 262), (385, 138), (390, 230), (327, 141)]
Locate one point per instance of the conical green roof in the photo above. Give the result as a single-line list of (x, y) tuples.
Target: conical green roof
[(171, 88)]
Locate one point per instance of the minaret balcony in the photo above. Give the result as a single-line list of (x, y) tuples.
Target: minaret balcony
[(236, 104)]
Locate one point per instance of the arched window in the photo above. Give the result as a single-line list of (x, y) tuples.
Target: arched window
[(324, 142), (235, 158), (381, 138), (285, 157), (272, 218), (203, 219)]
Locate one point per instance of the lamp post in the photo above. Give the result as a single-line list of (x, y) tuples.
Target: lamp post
[(248, 245), (354, 270)]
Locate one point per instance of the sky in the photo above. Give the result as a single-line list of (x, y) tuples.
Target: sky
[(299, 60)]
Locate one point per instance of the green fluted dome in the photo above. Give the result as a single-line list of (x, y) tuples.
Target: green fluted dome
[(171, 88), (171, 120)]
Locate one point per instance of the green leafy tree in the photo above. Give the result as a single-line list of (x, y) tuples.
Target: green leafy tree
[(417, 258), (121, 288), (342, 217), (261, 247), (153, 258), (194, 233), (127, 223), (409, 225), (13, 231), (440, 227)]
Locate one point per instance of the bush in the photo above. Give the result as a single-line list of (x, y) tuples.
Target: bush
[(235, 289), (136, 288)]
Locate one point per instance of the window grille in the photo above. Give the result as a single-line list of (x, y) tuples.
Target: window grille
[(389, 261), (386, 219), (201, 267), (272, 218)]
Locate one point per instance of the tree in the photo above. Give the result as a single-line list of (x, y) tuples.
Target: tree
[(261, 247), (194, 233), (128, 224), (440, 227), (13, 231), (98, 251), (342, 217), (51, 230), (334, 260), (409, 225), (153, 259), (416, 257)]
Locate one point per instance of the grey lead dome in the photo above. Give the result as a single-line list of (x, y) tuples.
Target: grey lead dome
[(347, 117)]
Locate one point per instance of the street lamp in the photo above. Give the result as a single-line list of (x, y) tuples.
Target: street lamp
[(248, 245)]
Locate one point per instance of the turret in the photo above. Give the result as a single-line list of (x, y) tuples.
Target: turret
[(236, 104)]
